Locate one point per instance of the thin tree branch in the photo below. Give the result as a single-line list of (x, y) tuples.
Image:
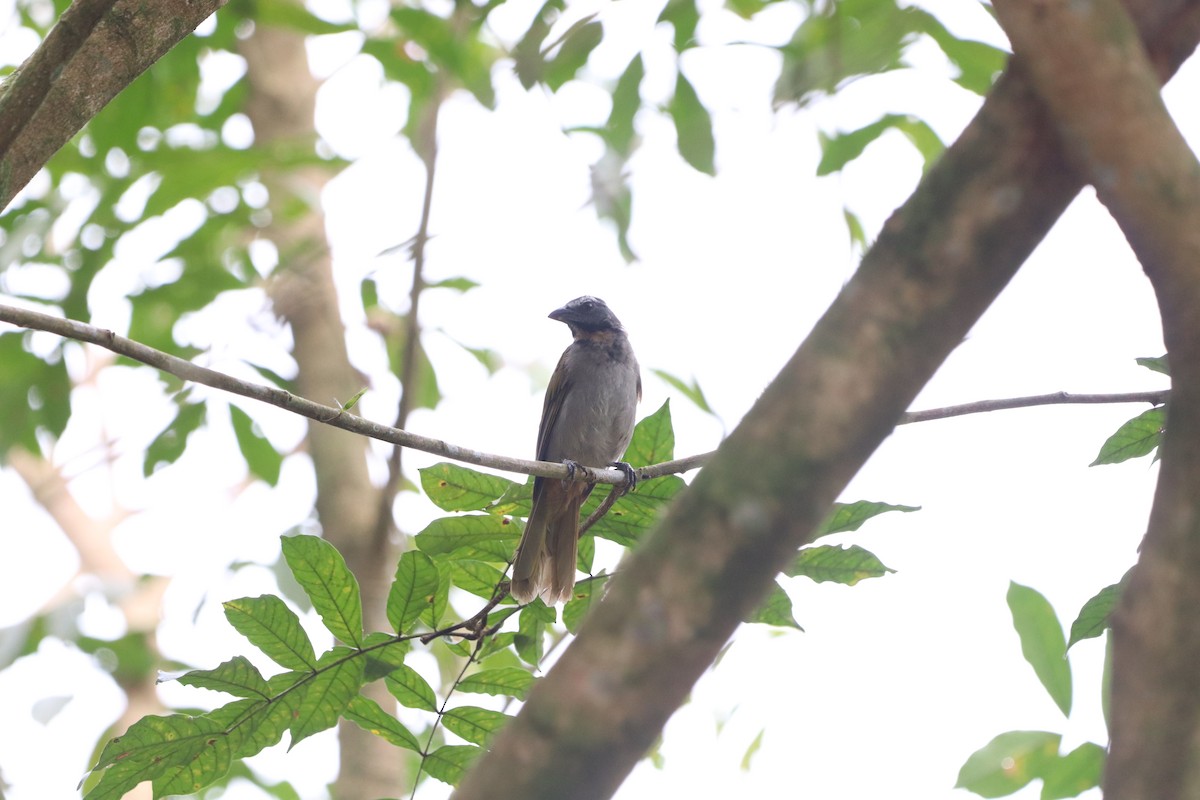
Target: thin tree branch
[(340, 418), (1057, 398)]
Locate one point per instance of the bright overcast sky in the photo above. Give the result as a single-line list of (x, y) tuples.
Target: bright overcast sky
[(896, 680)]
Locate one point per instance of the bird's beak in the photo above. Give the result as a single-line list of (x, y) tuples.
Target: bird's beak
[(560, 314)]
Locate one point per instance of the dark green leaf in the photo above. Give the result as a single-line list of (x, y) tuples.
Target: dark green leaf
[(776, 610), (1093, 618), (261, 456), (479, 537), (35, 394), (476, 725), (1042, 642), (1008, 763), (320, 569), (456, 488), (413, 589), (413, 691), (1137, 437), (851, 516), (328, 693), (505, 681), (171, 442), (847, 565), (1074, 773), (370, 716), (693, 127), (449, 763), (237, 677), (158, 749), (273, 628)]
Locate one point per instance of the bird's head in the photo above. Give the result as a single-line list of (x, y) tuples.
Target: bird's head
[(587, 315)]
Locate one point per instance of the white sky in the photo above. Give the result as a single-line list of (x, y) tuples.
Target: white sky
[(897, 680)]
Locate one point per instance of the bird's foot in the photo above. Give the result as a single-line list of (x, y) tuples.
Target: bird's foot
[(631, 477), (572, 468)]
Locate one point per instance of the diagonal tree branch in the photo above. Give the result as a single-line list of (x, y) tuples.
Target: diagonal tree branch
[(97, 49), (1094, 77), (938, 263)]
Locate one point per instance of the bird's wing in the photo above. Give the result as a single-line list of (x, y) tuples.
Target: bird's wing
[(555, 393)]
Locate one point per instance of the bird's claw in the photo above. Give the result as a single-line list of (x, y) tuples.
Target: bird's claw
[(630, 474), (572, 468)]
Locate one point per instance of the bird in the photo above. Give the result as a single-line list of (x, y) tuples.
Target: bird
[(587, 418)]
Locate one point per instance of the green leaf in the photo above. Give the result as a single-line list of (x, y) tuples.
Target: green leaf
[(504, 681), (354, 398), (693, 127), (1158, 364), (776, 610), (477, 577), (653, 439), (327, 694), (450, 763), (413, 589), (840, 149), (460, 284), (619, 132), (531, 631), (413, 691), (479, 537), (635, 513), (476, 725), (1042, 642), (1008, 763), (1137, 437), (171, 441), (847, 565), (1075, 773), (587, 594), (465, 57), (384, 653), (261, 456), (166, 750), (851, 516), (978, 64), (237, 677), (273, 628), (455, 488), (683, 16), (322, 572), (35, 394), (1093, 619), (691, 391), (370, 716), (843, 41), (574, 47)]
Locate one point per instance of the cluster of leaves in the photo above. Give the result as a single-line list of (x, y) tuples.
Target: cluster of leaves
[(1014, 759), (183, 753)]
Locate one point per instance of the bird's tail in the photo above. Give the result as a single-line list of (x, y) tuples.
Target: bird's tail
[(545, 564)]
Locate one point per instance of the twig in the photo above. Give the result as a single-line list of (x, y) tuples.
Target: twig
[(1057, 398)]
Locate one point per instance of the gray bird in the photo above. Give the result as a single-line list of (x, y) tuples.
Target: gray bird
[(587, 418)]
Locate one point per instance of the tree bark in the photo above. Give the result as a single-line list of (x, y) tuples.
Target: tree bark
[(939, 262), (1096, 80)]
